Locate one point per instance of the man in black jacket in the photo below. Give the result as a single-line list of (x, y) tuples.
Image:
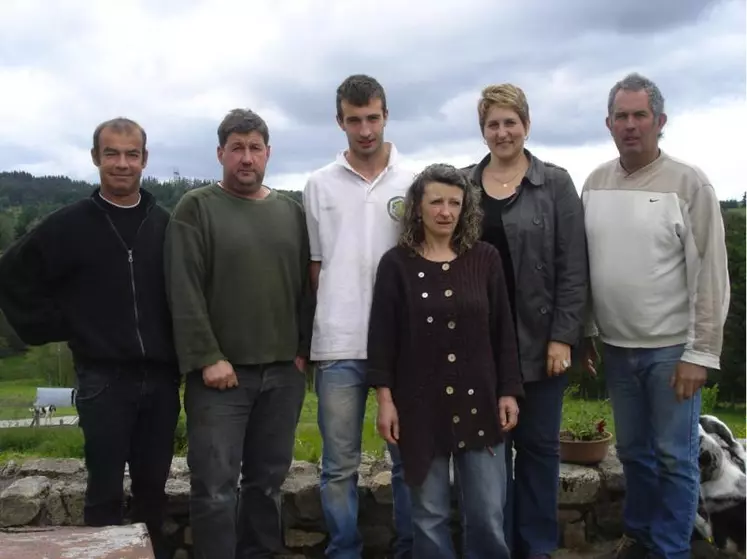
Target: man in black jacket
[(92, 274)]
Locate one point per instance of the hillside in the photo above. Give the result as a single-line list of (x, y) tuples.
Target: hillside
[(25, 199)]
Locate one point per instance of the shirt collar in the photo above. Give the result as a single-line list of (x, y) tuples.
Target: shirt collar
[(392, 162)]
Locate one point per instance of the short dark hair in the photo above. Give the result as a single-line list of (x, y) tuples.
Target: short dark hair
[(469, 227), (359, 90), (119, 124), (242, 121)]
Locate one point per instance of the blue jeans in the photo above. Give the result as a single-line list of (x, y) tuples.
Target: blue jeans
[(342, 390), (531, 515), (658, 445), (480, 478)]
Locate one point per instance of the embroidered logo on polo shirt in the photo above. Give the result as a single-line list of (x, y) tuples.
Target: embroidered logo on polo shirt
[(395, 207)]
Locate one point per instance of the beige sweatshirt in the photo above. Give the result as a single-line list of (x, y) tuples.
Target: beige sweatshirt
[(657, 258)]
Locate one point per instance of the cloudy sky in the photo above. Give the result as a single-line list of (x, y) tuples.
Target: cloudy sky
[(177, 66)]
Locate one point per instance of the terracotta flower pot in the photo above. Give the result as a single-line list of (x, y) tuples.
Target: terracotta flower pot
[(584, 452)]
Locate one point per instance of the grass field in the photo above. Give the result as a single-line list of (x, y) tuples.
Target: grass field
[(18, 389)]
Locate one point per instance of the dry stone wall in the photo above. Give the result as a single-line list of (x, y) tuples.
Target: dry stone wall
[(50, 492)]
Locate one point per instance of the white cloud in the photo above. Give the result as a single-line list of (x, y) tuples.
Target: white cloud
[(175, 65)]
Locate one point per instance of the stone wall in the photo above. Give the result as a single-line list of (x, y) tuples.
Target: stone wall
[(51, 492)]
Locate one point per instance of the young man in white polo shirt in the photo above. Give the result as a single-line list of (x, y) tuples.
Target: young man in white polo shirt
[(353, 209)]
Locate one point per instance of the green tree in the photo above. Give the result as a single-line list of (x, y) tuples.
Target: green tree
[(7, 230), (731, 377)]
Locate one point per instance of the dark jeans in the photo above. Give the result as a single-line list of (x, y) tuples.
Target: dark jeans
[(248, 430), (128, 415), (531, 516)]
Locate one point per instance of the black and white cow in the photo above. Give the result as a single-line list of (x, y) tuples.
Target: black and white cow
[(45, 412), (723, 485)]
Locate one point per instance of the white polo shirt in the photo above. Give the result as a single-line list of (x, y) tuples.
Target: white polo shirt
[(351, 223)]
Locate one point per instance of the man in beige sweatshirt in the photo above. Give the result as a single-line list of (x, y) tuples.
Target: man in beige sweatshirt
[(660, 294)]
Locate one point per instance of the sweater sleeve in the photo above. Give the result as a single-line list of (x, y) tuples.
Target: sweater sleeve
[(307, 302), (708, 278), (383, 329), (27, 280), (571, 264), (502, 331), (185, 262)]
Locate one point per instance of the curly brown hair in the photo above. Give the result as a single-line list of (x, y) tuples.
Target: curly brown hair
[(469, 226)]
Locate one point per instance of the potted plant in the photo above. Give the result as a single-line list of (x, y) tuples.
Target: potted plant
[(584, 438)]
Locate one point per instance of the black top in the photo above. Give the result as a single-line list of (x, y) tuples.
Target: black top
[(126, 220), (441, 337), (495, 234), (73, 278)]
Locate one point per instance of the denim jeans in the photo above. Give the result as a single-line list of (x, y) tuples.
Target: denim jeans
[(531, 515), (480, 478), (342, 390), (128, 414), (247, 430), (658, 445)]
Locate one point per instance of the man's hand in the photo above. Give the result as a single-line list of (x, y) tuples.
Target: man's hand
[(387, 419), (558, 358), (300, 364), (508, 412), (220, 376), (687, 379), (590, 356)]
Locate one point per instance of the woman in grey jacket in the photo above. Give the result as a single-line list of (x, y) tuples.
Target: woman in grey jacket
[(534, 216)]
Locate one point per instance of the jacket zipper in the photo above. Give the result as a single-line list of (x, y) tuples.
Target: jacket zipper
[(131, 260)]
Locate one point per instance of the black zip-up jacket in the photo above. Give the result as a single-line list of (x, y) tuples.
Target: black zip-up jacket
[(72, 278)]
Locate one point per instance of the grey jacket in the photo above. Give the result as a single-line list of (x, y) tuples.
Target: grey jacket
[(544, 226)]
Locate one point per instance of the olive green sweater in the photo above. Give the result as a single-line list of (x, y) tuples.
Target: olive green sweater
[(237, 279)]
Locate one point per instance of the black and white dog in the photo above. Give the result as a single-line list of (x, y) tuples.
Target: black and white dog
[(723, 485), (43, 412)]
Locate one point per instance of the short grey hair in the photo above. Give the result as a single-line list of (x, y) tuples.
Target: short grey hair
[(242, 121), (637, 82)]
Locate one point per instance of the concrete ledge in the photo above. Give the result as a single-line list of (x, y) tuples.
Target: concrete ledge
[(114, 542)]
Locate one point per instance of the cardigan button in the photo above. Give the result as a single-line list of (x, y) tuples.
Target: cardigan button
[(543, 310), (456, 419), (474, 411), (429, 320), (461, 444), (449, 390), (425, 295), (445, 266), (480, 433), (451, 325), (421, 275), (451, 357), (470, 391), (448, 292)]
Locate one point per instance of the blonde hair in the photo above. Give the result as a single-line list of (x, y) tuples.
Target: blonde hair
[(504, 95)]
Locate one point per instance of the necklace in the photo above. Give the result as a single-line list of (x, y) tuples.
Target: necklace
[(509, 181)]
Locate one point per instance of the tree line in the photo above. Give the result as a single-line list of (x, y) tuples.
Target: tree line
[(25, 199)]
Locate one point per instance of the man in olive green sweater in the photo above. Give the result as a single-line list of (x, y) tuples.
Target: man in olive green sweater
[(236, 265)]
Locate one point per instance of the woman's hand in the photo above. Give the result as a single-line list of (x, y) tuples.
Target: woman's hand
[(558, 358), (387, 420), (508, 412)]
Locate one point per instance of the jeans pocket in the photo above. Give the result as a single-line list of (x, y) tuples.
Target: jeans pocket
[(324, 365), (92, 384)]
